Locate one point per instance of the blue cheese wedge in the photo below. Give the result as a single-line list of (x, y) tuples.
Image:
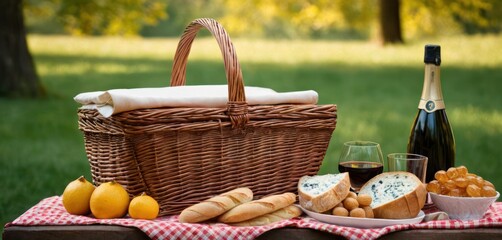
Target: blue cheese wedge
[(323, 192), (396, 195)]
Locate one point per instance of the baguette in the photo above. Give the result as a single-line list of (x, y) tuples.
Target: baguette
[(257, 208), (396, 195), (323, 192), (288, 212), (215, 206)]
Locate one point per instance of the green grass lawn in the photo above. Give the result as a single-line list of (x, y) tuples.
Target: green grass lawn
[(376, 89)]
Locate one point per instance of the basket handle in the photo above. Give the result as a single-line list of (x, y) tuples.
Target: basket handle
[(236, 107)]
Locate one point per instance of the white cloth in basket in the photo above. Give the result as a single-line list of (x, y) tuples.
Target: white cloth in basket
[(120, 100)]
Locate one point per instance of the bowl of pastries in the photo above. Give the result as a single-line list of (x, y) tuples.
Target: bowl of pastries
[(462, 195)]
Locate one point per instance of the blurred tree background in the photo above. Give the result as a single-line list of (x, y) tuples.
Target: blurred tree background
[(386, 21), (331, 19)]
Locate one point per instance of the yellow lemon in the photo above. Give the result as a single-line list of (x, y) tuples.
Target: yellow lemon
[(76, 196), (144, 207), (109, 200)]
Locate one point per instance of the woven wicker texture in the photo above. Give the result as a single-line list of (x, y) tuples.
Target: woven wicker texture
[(182, 156)]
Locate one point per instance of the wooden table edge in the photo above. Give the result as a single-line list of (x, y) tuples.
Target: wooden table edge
[(114, 232)]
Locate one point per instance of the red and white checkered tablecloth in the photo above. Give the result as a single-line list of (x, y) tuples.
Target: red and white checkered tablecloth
[(50, 211)]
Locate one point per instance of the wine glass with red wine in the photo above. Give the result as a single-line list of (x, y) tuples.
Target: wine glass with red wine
[(362, 160)]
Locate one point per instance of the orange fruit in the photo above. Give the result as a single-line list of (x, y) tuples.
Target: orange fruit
[(76, 196), (143, 207), (109, 200)]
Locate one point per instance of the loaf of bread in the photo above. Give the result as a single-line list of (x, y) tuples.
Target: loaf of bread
[(323, 192), (257, 208), (396, 195), (215, 206), (288, 212)]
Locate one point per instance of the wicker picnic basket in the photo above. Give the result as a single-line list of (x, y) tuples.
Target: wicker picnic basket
[(181, 156)]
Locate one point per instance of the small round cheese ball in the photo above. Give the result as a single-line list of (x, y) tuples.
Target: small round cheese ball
[(473, 191), (358, 212), (441, 176), (339, 205), (488, 191), (452, 173), (352, 195), (368, 211), (364, 199), (340, 211), (489, 184), (350, 203), (434, 186), (462, 171)]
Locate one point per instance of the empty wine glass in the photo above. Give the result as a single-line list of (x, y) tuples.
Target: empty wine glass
[(362, 160)]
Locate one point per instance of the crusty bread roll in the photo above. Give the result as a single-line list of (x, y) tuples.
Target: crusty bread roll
[(323, 192), (288, 212), (215, 206), (257, 208), (396, 195)]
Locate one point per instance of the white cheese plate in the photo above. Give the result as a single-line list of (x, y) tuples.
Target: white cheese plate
[(362, 222)]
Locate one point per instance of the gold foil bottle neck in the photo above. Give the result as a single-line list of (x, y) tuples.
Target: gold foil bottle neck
[(432, 96)]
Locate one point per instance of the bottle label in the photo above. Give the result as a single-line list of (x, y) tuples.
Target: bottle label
[(431, 105)]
